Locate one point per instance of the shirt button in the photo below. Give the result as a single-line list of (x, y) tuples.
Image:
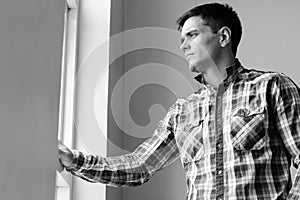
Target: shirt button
[(219, 146), (220, 172)]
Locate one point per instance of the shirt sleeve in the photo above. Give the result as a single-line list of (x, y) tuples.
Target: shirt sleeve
[(135, 168), (286, 102)]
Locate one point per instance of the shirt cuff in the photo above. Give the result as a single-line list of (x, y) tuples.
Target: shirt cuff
[(77, 163)]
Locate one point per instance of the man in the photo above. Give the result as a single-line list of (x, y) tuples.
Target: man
[(236, 136)]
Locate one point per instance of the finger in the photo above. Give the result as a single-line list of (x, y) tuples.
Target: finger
[(60, 167), (62, 147), (59, 142)]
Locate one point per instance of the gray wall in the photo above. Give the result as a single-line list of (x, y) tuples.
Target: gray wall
[(269, 42), (30, 58), (128, 15)]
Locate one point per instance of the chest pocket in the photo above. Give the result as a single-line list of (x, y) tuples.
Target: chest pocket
[(191, 145), (248, 130)]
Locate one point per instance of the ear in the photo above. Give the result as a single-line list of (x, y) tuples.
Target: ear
[(225, 36)]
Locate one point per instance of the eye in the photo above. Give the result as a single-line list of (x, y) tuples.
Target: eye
[(193, 35)]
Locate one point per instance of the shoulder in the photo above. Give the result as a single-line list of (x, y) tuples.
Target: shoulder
[(273, 79), (283, 82), (189, 103), (254, 75)]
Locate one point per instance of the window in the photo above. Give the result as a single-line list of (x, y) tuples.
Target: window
[(66, 109)]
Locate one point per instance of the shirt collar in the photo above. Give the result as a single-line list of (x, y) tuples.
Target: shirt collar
[(232, 72)]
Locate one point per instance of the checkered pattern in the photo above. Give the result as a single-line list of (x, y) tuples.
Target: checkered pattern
[(235, 142)]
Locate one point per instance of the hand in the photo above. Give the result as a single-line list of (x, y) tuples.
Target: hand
[(59, 166), (65, 155)]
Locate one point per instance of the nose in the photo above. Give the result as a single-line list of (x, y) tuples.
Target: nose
[(184, 45)]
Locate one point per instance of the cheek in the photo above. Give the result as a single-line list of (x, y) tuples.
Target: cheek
[(202, 45), (213, 43), (198, 48)]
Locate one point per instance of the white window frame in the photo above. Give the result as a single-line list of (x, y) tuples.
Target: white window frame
[(67, 93)]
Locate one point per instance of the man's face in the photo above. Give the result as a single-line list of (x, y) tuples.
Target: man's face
[(199, 44)]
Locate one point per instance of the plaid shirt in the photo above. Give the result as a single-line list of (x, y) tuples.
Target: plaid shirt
[(235, 142)]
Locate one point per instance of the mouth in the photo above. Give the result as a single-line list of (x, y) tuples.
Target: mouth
[(187, 55)]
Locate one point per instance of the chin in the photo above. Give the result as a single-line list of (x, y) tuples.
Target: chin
[(193, 69)]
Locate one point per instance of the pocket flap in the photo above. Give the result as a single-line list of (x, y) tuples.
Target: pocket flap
[(247, 129), (247, 112)]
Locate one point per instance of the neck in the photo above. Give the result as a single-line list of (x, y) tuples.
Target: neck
[(216, 73)]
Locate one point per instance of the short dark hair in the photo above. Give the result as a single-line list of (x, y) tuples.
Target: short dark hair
[(216, 16)]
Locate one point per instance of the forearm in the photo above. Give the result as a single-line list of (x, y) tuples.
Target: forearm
[(135, 168), (124, 170)]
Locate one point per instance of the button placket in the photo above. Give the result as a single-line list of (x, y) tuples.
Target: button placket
[(219, 144)]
